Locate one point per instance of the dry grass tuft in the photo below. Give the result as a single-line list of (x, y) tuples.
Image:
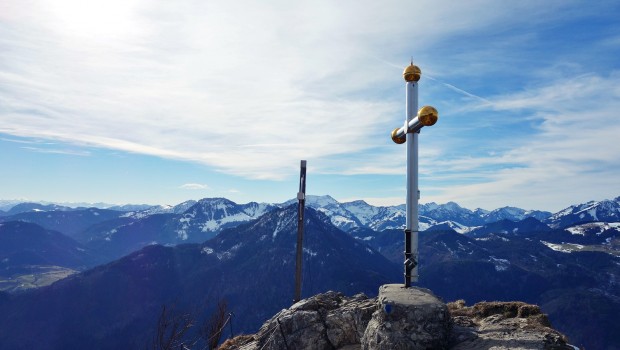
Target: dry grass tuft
[(236, 342)]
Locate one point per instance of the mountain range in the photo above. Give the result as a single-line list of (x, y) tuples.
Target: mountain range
[(349, 215), (124, 265), (251, 266)]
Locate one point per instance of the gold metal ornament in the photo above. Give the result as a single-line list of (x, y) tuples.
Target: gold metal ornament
[(428, 115), (412, 73), (399, 140)]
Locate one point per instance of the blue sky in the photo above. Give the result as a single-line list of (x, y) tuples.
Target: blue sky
[(136, 101)]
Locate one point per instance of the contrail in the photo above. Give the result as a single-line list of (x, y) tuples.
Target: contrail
[(460, 90), (468, 94)]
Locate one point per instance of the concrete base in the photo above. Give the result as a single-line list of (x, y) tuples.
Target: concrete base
[(407, 318)]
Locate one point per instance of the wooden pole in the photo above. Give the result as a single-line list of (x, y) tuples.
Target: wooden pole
[(301, 197)]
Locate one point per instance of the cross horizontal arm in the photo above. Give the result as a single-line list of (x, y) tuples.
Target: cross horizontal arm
[(427, 116)]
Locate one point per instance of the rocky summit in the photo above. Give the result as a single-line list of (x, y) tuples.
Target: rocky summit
[(401, 318)]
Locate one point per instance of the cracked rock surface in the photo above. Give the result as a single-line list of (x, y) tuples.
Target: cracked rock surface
[(503, 325), (324, 321), (332, 321)]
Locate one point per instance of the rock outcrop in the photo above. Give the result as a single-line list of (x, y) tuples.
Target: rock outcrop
[(503, 325), (324, 321), (407, 318), (392, 321)]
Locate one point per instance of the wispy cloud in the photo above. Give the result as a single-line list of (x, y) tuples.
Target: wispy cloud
[(70, 152), (249, 88), (197, 82), (569, 152), (194, 186)]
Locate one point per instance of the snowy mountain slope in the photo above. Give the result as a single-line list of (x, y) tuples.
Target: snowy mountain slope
[(339, 214), (450, 212), (117, 305), (514, 214), (359, 214), (210, 215), (451, 225), (199, 221), (160, 209), (506, 226), (593, 228), (363, 211), (214, 214), (602, 211)]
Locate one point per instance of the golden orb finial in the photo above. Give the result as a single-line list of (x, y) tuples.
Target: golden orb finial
[(412, 73), (428, 115), (398, 140)]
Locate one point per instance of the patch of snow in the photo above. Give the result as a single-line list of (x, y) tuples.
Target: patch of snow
[(95, 213), (309, 252), (182, 234), (369, 250), (80, 249), (362, 211), (209, 226), (139, 256), (448, 248), (422, 226), (214, 225), (339, 220), (283, 221), (500, 264), (257, 210), (594, 227), (556, 247), (592, 213), (207, 250), (576, 230)]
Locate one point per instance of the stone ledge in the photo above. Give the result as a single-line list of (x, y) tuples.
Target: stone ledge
[(407, 318), (401, 318)]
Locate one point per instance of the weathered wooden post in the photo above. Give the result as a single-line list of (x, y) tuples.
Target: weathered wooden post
[(301, 197)]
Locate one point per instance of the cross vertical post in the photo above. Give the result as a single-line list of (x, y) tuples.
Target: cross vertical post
[(412, 224), (301, 197), (409, 133)]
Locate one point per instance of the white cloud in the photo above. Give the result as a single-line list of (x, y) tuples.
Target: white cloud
[(193, 186), (58, 151), (245, 87), (249, 88), (571, 154)]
